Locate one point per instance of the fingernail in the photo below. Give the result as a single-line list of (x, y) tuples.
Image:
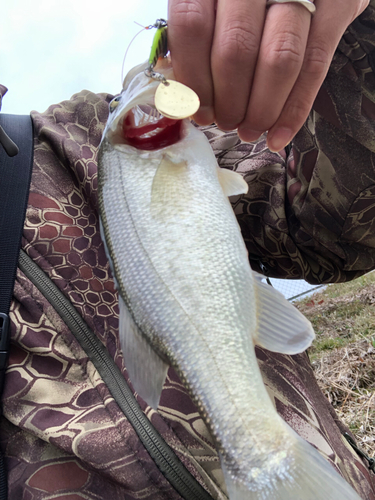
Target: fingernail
[(204, 116), (277, 140), (248, 135)]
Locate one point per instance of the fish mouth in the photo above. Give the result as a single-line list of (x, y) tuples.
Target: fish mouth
[(143, 127)]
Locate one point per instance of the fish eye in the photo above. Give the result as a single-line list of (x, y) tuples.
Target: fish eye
[(114, 103)]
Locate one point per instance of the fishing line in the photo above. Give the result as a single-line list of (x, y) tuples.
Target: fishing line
[(127, 50)]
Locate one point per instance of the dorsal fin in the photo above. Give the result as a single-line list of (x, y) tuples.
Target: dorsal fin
[(231, 182)]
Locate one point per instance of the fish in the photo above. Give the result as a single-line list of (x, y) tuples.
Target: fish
[(189, 299)]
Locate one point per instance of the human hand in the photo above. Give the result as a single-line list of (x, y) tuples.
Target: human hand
[(254, 68)]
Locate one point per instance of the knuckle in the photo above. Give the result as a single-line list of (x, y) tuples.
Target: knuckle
[(297, 111), (188, 16), (317, 60), (238, 42), (284, 54), (359, 7)]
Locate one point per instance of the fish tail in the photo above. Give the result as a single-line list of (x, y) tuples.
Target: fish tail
[(310, 477)]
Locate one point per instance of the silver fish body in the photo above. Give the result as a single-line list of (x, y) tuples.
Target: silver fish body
[(189, 295)]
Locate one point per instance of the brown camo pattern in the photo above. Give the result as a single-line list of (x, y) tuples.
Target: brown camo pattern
[(306, 215), (322, 228)]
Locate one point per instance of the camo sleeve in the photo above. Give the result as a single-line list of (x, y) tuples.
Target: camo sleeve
[(310, 213), (3, 91)]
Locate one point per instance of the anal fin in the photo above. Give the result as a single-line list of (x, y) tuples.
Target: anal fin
[(281, 327), (146, 369)]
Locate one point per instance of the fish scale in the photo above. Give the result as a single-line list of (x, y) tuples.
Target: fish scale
[(189, 298), (187, 308)]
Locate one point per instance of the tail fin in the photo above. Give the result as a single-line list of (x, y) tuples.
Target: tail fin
[(311, 477)]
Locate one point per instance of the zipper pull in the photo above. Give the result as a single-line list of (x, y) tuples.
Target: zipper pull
[(362, 454)]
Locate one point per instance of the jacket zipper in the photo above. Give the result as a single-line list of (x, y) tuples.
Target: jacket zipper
[(164, 457)]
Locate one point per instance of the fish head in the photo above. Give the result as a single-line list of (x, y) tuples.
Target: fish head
[(134, 120)]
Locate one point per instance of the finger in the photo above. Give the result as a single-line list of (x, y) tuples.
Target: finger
[(235, 47), (190, 33), (279, 63), (327, 27)]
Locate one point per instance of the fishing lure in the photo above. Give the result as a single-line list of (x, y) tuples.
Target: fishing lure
[(172, 99), (159, 49)]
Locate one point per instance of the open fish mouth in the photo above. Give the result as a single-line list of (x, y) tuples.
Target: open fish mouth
[(134, 120), (143, 127)]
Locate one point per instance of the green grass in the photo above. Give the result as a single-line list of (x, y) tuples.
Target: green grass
[(327, 344), (341, 314)]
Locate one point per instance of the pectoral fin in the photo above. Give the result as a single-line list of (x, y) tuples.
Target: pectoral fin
[(281, 327), (146, 369), (231, 182), (169, 196)]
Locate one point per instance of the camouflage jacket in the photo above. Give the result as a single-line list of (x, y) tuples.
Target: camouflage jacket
[(307, 214)]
